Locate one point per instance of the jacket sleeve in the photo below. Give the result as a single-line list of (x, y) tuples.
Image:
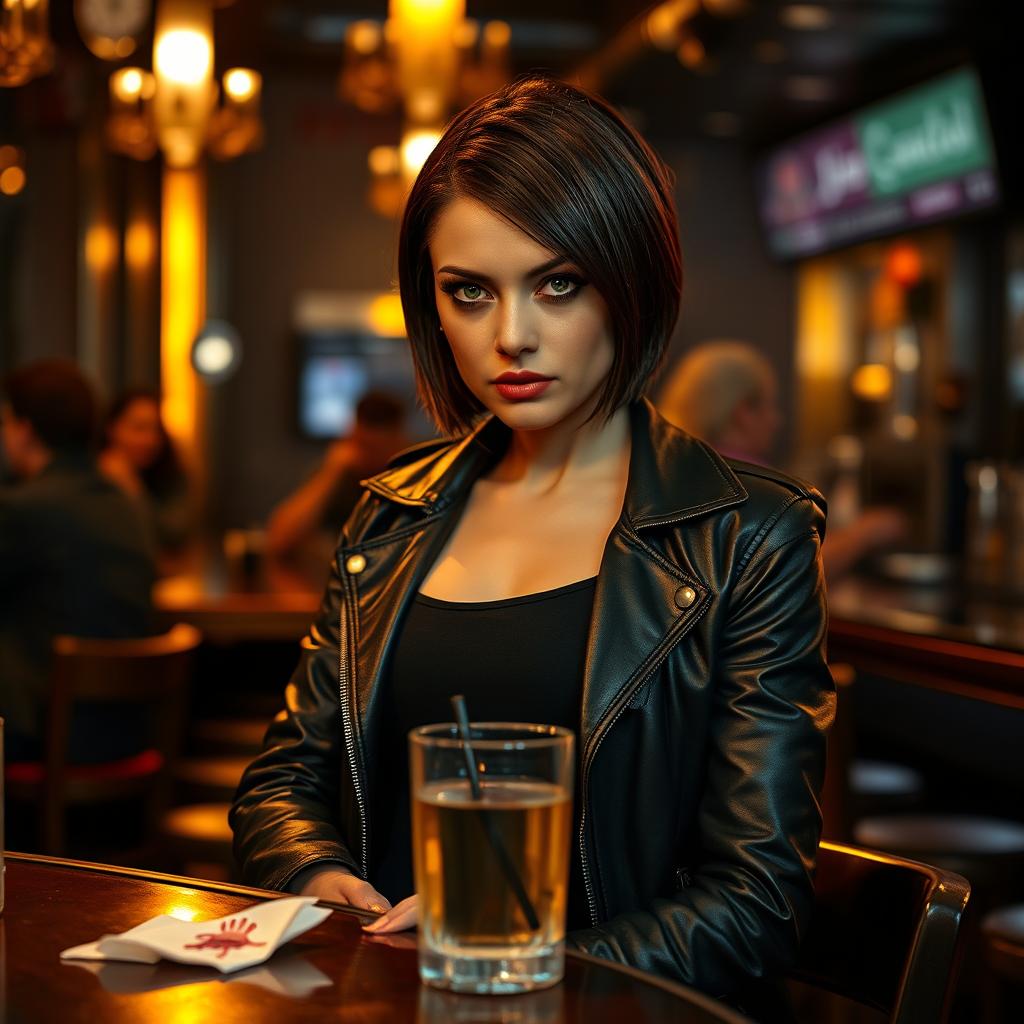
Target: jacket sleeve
[(286, 813), (741, 913)]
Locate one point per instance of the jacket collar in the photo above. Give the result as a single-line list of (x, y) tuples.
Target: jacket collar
[(672, 476)]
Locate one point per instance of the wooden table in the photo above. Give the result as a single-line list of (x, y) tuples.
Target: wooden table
[(333, 972)]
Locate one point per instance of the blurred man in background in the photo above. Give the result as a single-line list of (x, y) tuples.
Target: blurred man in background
[(74, 558), (727, 393), (317, 511)]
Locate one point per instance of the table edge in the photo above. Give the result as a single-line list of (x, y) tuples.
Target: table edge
[(690, 995)]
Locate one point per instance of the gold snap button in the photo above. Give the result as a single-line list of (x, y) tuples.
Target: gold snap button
[(355, 564), (685, 596)]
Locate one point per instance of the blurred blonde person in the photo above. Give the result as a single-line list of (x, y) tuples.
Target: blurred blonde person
[(727, 393)]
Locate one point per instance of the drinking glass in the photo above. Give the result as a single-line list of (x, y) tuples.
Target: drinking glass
[(491, 851)]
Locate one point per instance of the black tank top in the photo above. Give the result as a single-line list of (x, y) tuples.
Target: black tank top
[(516, 660)]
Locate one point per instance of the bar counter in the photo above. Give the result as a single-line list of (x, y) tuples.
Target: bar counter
[(946, 637)]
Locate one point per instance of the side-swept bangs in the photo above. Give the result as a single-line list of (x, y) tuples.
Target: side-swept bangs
[(562, 166)]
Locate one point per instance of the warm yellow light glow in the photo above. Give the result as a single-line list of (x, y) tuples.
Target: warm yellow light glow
[(385, 316), (427, 59), (428, 12), (139, 245), (183, 62), (872, 382), (101, 248), (364, 37), (124, 47), (384, 160), (466, 34), (497, 34), (183, 56), (242, 84), (182, 303), (181, 913), (417, 145), (9, 155), (12, 180), (130, 84)]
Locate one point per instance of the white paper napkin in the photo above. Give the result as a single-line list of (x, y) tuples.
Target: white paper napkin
[(230, 943)]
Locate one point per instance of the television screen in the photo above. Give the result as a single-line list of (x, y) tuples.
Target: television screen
[(923, 156), (338, 367)]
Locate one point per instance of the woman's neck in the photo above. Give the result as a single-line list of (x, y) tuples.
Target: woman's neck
[(542, 460)]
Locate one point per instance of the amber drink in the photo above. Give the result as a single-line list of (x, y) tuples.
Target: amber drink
[(492, 867)]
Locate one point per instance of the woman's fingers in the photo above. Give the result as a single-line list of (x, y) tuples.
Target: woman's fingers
[(362, 894), (402, 916)]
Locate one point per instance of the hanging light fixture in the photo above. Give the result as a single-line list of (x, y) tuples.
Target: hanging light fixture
[(176, 106), (130, 126), (235, 127), (183, 65), (429, 57), (25, 47)]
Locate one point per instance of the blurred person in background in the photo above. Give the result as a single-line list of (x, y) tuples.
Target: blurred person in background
[(315, 513), (138, 455), (727, 393), (74, 556)]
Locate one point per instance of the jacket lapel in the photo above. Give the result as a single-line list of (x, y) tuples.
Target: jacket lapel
[(645, 603)]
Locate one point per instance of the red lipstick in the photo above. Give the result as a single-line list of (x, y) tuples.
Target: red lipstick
[(521, 385)]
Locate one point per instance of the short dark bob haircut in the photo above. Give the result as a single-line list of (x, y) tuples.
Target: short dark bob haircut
[(562, 166)]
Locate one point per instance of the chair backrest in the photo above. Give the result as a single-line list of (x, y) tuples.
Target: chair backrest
[(148, 671), (884, 932)]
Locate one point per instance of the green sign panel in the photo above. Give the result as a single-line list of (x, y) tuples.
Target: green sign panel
[(933, 134)]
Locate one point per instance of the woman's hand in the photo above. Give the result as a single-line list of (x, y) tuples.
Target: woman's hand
[(338, 885), (399, 918)]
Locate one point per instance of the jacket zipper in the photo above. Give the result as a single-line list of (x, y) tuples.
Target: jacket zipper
[(351, 743), (588, 883)]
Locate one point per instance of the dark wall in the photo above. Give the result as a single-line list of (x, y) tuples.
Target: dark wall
[(731, 287), (38, 262), (288, 219)]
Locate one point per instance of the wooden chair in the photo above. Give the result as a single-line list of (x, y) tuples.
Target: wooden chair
[(150, 671), (884, 933)]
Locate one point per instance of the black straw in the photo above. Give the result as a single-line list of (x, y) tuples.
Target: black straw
[(511, 875)]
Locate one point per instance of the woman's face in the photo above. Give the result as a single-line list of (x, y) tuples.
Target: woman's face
[(136, 433), (531, 337)]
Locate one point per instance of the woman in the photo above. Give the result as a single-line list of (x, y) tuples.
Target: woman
[(139, 456), (569, 558)]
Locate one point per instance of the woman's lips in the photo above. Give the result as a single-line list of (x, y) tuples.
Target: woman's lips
[(523, 390)]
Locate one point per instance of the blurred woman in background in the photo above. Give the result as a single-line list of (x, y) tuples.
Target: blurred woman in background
[(138, 455)]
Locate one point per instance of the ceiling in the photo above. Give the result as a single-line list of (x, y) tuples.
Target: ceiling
[(765, 77)]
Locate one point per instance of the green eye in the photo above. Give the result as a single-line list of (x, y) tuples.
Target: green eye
[(472, 291), (560, 285)]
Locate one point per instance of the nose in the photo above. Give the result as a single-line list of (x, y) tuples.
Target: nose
[(515, 333)]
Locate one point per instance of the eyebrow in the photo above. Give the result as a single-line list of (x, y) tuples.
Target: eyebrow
[(476, 276)]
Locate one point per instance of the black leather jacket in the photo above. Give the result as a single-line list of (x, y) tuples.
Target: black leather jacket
[(706, 700)]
